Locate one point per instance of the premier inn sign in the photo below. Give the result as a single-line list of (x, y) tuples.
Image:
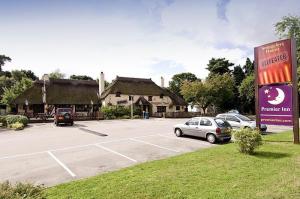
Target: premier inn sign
[(276, 85), (275, 105)]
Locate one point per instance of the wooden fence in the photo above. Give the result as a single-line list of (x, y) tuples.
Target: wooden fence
[(180, 114)]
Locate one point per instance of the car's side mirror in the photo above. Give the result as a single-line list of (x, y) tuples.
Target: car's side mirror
[(187, 123)]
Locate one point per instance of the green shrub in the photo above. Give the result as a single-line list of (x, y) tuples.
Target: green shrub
[(107, 111), (122, 111), (21, 191), (113, 112), (248, 140), (17, 126), (11, 119), (137, 111), (3, 121)]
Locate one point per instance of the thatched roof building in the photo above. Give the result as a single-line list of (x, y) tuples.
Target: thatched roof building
[(61, 91), (141, 87)]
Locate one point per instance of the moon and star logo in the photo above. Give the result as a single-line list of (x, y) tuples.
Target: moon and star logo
[(274, 96)]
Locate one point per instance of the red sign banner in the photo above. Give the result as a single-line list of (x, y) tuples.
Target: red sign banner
[(274, 62)]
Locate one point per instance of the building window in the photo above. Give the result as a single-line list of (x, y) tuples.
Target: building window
[(118, 94), (149, 98), (130, 98), (161, 109), (177, 108), (81, 108), (161, 96)]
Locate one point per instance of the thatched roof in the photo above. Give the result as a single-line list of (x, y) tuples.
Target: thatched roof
[(61, 91), (142, 101), (139, 86)]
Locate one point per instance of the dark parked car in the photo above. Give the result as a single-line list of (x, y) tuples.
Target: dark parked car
[(63, 116)]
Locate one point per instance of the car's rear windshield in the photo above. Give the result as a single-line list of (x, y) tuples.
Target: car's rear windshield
[(244, 118), (64, 110), (222, 123)]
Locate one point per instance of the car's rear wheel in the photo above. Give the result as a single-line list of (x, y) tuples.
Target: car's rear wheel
[(178, 132), (211, 138)]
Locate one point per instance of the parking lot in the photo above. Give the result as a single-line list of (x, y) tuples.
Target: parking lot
[(44, 153)]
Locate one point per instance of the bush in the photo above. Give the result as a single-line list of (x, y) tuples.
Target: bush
[(137, 111), (17, 126), (247, 140), (113, 112), (11, 119), (21, 191), (3, 121)]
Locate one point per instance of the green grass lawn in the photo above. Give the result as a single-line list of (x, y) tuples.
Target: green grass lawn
[(218, 172)]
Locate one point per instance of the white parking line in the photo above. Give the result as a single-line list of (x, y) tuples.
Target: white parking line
[(107, 149), (77, 146), (61, 164), (21, 155), (185, 139), (153, 145)]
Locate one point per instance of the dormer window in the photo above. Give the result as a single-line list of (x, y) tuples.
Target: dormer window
[(161, 96), (118, 94), (149, 98)]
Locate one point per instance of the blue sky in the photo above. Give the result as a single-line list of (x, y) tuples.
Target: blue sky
[(137, 38)]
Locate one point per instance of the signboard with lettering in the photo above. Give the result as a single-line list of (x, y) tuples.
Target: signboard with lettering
[(275, 105), (274, 62), (122, 102), (276, 85)]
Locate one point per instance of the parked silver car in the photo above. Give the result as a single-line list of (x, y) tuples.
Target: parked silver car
[(213, 129), (240, 121)]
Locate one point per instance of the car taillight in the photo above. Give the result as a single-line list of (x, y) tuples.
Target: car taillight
[(218, 130)]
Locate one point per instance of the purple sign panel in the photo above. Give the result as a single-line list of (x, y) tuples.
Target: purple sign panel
[(275, 105)]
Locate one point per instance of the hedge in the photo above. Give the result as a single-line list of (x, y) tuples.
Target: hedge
[(11, 119)]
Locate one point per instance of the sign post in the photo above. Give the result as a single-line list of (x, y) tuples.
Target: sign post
[(295, 93), (276, 85)]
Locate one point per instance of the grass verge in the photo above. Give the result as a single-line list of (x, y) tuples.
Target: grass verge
[(219, 172)]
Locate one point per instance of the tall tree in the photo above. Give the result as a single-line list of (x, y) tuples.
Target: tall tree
[(177, 81), (289, 27), (223, 91), (197, 93), (17, 75), (216, 90), (238, 75), (218, 66), (80, 77), (247, 94), (11, 93), (57, 74), (248, 67), (3, 59), (30, 74)]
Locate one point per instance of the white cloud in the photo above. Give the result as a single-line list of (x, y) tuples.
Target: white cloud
[(187, 33)]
